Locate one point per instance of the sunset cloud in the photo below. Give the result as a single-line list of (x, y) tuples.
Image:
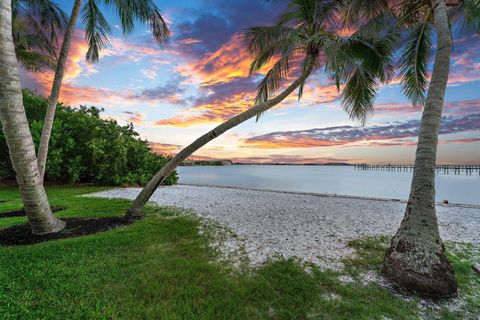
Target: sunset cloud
[(450, 108), (164, 148), (230, 62), (188, 41), (136, 118), (291, 159), (347, 135)]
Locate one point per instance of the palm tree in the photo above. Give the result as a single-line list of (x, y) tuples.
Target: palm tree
[(36, 27), (17, 133), (303, 33), (416, 258), (97, 31)]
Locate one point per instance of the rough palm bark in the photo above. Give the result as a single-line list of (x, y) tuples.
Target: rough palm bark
[(18, 136), (416, 258), (56, 85), (135, 210)]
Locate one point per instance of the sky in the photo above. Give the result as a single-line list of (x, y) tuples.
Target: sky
[(177, 92)]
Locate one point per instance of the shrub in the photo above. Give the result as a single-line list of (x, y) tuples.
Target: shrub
[(87, 148)]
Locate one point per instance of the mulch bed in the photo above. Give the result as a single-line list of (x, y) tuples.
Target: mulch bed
[(21, 213), (21, 234)]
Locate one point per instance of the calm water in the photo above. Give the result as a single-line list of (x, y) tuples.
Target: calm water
[(342, 180)]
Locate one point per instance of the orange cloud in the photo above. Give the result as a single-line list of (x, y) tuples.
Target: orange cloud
[(76, 67), (215, 111), (291, 142), (189, 41), (388, 134), (230, 62), (225, 107), (135, 118), (164, 148)]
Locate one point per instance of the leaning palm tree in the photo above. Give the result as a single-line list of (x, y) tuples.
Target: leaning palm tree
[(17, 133), (97, 31), (303, 33), (416, 257), (36, 29)]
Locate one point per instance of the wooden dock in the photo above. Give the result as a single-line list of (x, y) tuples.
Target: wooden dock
[(445, 168)]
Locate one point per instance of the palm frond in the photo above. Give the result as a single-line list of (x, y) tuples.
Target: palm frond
[(412, 11), (375, 52), (259, 39), (159, 27), (125, 11), (35, 36), (273, 79), (50, 14), (358, 12), (97, 30), (327, 12), (145, 11), (382, 24), (35, 61), (414, 62), (467, 15), (360, 63), (359, 93), (261, 60), (298, 12), (343, 56), (36, 28)]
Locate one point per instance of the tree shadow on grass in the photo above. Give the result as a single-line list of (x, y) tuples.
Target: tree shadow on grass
[(21, 234), (21, 212)]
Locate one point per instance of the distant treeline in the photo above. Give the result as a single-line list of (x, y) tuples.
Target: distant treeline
[(86, 148), (294, 164), (206, 163)]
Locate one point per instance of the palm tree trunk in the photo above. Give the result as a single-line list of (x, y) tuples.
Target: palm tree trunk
[(18, 136), (416, 258), (135, 210), (57, 83)]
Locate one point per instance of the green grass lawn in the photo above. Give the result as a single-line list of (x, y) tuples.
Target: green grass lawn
[(163, 268)]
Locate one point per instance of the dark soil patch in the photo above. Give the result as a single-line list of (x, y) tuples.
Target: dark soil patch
[(21, 213), (21, 234)]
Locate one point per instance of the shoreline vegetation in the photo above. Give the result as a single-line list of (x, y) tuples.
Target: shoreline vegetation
[(85, 148)]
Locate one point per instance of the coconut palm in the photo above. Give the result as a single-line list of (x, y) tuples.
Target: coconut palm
[(97, 31), (36, 27), (17, 133), (303, 35), (416, 258)]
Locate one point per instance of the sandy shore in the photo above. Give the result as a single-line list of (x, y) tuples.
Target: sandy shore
[(312, 227)]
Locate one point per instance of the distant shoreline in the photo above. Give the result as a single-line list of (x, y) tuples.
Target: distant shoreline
[(220, 164), (333, 164), (340, 164)]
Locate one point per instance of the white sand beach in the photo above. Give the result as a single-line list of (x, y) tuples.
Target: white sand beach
[(313, 227)]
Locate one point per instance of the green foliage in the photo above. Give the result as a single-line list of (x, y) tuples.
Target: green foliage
[(86, 148)]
